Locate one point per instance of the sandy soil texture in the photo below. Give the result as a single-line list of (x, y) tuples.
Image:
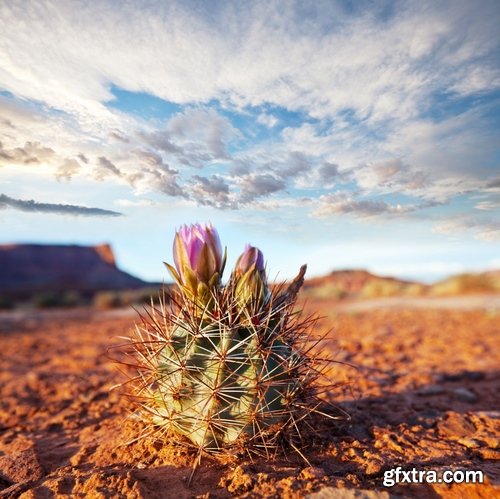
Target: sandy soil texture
[(424, 393)]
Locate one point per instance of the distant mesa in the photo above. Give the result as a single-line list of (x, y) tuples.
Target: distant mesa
[(350, 281), (26, 269), (360, 284)]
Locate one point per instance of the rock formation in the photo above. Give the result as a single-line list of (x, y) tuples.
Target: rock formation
[(26, 269)]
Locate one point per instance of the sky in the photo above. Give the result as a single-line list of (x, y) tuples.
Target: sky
[(339, 134)]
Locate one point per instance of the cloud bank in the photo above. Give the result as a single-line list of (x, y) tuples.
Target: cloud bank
[(368, 110), (53, 208)]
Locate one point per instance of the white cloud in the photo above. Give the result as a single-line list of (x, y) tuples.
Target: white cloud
[(67, 169), (343, 203), (389, 175), (31, 153), (142, 203), (265, 52), (255, 185), (267, 119), (195, 127), (481, 228), (487, 205), (212, 191)]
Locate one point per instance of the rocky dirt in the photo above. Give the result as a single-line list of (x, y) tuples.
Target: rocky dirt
[(421, 387)]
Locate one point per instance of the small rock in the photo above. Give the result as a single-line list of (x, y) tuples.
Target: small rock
[(374, 467), (456, 426), (311, 473), (470, 443), (238, 482), (465, 395), (431, 390)]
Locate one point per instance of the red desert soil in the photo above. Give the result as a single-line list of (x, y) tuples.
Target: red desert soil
[(424, 394)]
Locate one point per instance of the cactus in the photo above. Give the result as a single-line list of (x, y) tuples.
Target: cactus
[(224, 366)]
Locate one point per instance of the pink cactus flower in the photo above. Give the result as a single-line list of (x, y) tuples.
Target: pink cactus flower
[(197, 248)]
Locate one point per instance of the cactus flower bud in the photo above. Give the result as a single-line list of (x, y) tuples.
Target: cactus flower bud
[(198, 259), (250, 277), (251, 256)]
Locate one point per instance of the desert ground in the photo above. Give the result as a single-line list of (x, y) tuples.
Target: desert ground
[(419, 382)]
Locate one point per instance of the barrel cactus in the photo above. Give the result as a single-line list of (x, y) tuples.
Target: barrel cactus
[(224, 367)]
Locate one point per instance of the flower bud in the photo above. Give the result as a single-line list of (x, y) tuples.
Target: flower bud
[(251, 256), (198, 259), (250, 278)]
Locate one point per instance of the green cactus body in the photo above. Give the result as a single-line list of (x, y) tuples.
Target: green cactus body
[(224, 365), (217, 384)]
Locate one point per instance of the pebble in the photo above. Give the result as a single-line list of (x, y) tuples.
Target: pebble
[(465, 395), (470, 443), (374, 467), (431, 390), (238, 482), (456, 426), (311, 473)]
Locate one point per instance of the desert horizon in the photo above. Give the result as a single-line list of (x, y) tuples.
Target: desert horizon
[(409, 363), (69, 275)]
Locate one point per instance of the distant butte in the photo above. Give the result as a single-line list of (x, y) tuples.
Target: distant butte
[(26, 269)]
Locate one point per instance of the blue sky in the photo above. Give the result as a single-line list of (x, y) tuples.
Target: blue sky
[(341, 134)]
